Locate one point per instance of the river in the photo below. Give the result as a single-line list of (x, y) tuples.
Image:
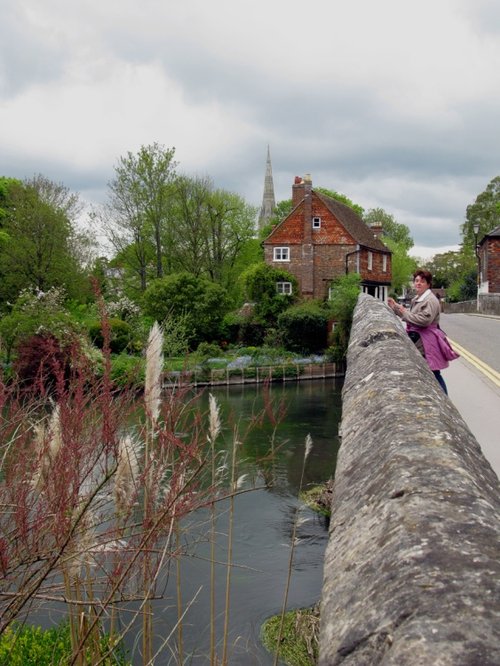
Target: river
[(262, 526)]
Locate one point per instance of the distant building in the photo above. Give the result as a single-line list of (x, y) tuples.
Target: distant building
[(322, 239), (489, 262), (268, 199)]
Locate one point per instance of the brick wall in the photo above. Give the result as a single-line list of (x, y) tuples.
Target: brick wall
[(493, 265), (317, 256)]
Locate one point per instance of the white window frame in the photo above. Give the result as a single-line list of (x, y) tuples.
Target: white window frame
[(370, 260), (284, 288), (281, 254), (384, 263), (316, 222)]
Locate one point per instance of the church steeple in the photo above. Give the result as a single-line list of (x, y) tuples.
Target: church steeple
[(268, 200)]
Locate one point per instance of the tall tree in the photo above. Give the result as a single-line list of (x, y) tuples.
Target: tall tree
[(39, 239), (485, 212), (137, 215), (396, 231), (191, 214), (230, 225)]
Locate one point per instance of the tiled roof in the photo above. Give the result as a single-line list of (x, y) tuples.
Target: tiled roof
[(494, 232), (353, 224)]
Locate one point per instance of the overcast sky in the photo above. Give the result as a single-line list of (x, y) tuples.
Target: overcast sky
[(395, 104)]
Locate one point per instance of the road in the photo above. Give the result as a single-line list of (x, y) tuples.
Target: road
[(474, 379)]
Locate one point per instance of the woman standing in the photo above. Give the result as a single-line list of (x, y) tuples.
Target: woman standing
[(422, 325)]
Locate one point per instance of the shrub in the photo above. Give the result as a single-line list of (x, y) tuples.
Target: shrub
[(304, 327), (230, 327), (345, 292), (208, 350), (199, 301), (28, 645), (120, 335), (43, 363)]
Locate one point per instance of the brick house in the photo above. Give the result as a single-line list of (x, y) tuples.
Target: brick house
[(489, 261), (322, 239)]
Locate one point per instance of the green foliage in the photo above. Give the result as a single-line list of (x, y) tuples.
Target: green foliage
[(230, 327), (395, 231), (344, 295), (260, 286), (485, 212), (40, 245), (450, 268), (201, 302), (299, 639), (127, 370), (402, 265), (208, 350), (304, 327), (36, 313), (463, 288), (27, 645), (120, 335)]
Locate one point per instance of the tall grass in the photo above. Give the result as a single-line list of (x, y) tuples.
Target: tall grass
[(92, 509)]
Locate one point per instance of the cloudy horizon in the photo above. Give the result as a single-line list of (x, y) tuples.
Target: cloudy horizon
[(394, 105)]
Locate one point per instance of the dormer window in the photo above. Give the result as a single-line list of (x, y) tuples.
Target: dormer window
[(281, 254), (316, 223)]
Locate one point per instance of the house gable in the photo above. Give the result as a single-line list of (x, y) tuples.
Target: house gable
[(322, 239), (291, 230)]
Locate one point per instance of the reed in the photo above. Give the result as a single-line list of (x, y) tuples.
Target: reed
[(307, 451)]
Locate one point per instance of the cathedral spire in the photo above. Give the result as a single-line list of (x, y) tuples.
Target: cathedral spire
[(268, 200)]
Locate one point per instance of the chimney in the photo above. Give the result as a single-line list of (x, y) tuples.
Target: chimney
[(300, 187), (377, 229)]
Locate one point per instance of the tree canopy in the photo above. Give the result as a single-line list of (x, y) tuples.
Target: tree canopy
[(40, 245), (485, 212)]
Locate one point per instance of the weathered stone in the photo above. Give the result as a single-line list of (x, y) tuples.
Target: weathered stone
[(412, 571)]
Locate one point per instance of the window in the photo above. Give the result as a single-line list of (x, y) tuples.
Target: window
[(284, 287), (384, 263), (281, 254), (370, 261), (316, 224)]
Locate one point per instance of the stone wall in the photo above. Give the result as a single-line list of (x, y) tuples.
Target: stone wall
[(489, 304), (412, 573)]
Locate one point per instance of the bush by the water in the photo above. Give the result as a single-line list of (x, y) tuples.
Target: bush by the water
[(304, 327)]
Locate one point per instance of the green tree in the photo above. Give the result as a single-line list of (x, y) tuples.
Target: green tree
[(229, 228), (396, 237), (41, 247), (191, 214), (485, 212), (137, 215), (450, 267), (200, 303), (397, 232), (402, 265)]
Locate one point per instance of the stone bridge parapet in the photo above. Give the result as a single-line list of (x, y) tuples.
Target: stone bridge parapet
[(412, 570)]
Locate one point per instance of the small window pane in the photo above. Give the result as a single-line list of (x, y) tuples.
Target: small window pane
[(281, 254)]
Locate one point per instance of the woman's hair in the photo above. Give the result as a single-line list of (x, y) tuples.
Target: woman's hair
[(425, 275)]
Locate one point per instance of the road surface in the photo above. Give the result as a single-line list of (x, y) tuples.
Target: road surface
[(474, 379)]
